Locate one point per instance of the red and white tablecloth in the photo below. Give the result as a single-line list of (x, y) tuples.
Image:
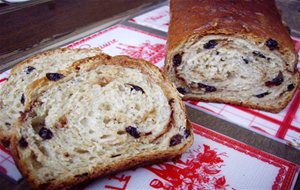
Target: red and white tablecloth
[(214, 161)]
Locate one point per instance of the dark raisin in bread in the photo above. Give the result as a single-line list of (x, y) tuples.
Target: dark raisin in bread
[(12, 96), (100, 116), (232, 52)]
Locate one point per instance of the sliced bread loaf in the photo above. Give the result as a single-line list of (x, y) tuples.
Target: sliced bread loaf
[(232, 52), (100, 116), (11, 93)]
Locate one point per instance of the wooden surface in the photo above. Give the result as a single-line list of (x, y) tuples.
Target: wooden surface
[(28, 26)]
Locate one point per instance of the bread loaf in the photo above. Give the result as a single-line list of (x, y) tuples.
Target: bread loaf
[(236, 52), (102, 115), (11, 92)]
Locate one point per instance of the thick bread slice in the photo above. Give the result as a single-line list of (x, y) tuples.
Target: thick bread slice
[(27, 71), (100, 116), (238, 53)]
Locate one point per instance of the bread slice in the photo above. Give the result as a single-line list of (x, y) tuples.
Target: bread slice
[(100, 116), (243, 57), (251, 76), (11, 92)]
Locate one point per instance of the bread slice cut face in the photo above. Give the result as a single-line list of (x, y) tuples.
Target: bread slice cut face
[(102, 115), (230, 69), (12, 91)]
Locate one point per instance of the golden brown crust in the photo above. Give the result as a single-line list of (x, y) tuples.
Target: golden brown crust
[(141, 159), (256, 20), (48, 53)]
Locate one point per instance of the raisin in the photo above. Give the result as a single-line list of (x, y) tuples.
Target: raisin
[(258, 54), (290, 87), (289, 30), (177, 60), (246, 60), (207, 87), (210, 44), (136, 88), (113, 156), (149, 133), (82, 175), (275, 81), (175, 140), (29, 69), (272, 44), (132, 131), (182, 90), (262, 95), (45, 133), (5, 143), (23, 143), (7, 124), (187, 133), (23, 99), (54, 76)]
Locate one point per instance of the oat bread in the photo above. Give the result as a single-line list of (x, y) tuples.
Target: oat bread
[(11, 92), (102, 115), (236, 52)]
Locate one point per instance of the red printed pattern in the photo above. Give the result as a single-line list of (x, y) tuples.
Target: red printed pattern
[(287, 171), (150, 52), (203, 167), (200, 171)]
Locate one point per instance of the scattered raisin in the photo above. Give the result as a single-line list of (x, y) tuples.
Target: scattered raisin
[(262, 95), (5, 143), (289, 30), (276, 81), (136, 88), (149, 133), (45, 133), (207, 87), (54, 76), (175, 140), (182, 90), (177, 60), (113, 156), (29, 69), (23, 143), (23, 99), (258, 54), (272, 44), (82, 175), (187, 133), (7, 124), (290, 87), (210, 44), (246, 60), (132, 131)]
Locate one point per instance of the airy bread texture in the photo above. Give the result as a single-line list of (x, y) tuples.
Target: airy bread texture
[(11, 92), (243, 57), (102, 115)]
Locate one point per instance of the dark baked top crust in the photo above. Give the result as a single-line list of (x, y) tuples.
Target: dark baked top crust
[(254, 19)]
